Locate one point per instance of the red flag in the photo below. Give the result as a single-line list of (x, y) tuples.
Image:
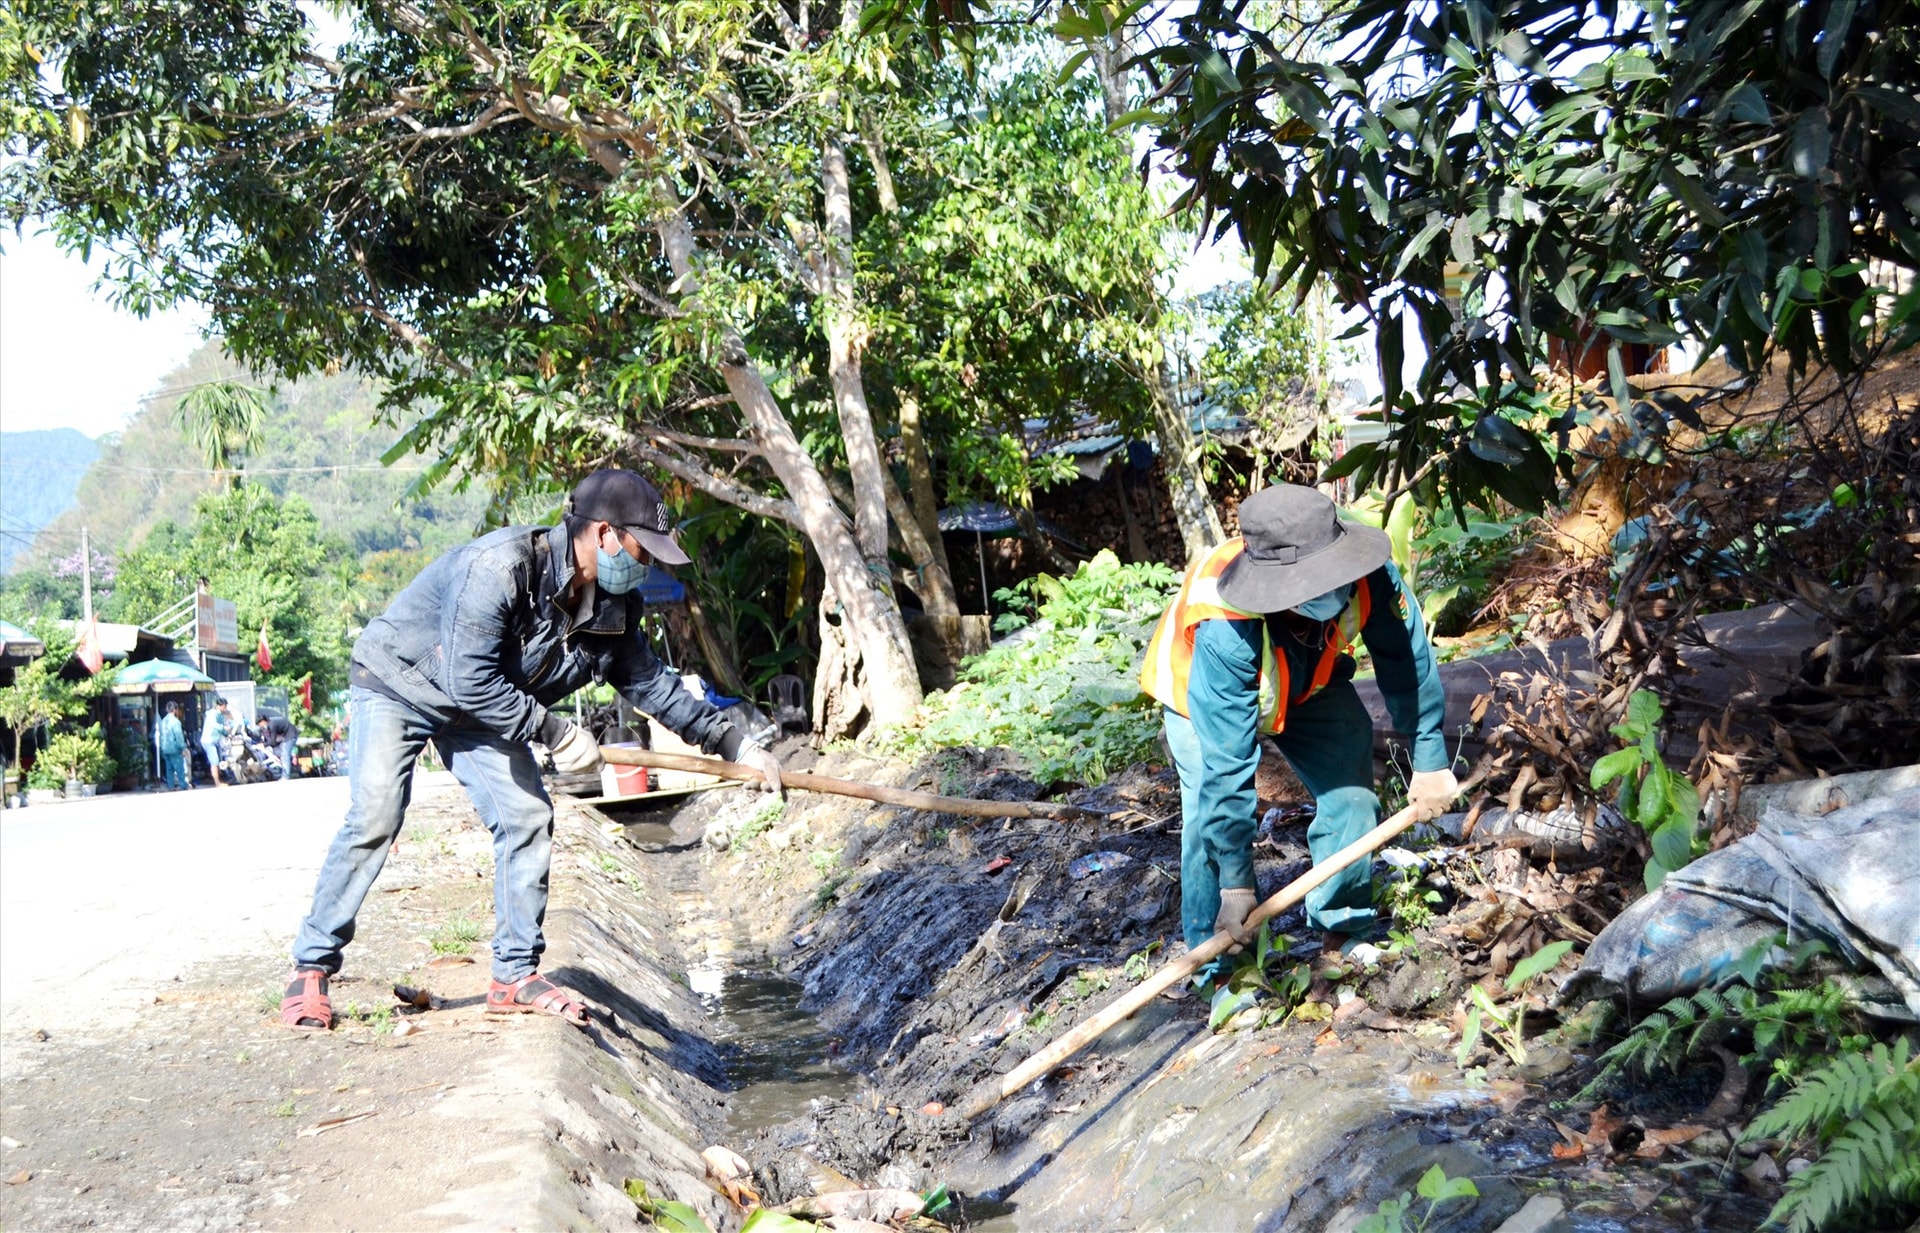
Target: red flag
[(264, 656), (306, 692), (87, 649)]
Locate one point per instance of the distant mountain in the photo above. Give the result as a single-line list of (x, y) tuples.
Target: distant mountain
[(40, 473)]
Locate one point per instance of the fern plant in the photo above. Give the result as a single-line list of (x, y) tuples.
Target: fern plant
[(1783, 1026), (1864, 1111)]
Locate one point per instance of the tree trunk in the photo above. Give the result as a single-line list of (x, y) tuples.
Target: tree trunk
[(931, 581), (1136, 541), (872, 619), (722, 658), (846, 332), (1193, 508), (838, 691), (926, 503)]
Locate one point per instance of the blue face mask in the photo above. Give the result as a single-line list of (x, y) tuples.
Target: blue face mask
[(616, 573), (1326, 607)]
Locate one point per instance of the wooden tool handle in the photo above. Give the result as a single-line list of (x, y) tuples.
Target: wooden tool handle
[(1124, 1007), (843, 787)]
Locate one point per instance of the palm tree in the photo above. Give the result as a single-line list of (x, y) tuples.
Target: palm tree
[(224, 420)]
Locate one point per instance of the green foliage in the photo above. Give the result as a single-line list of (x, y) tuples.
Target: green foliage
[(615, 233), (1405, 896), (668, 1214), (1783, 1028), (1065, 695), (759, 822), (38, 695), (1020, 269), (80, 755), (1664, 802), (1506, 1027), (1863, 1110), (1393, 1215), (1539, 963), (223, 419), (272, 559), (456, 937), (1264, 979), (132, 752), (1554, 173)]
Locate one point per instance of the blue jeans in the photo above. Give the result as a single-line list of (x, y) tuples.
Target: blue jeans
[(1329, 742), (175, 767), (502, 779), (212, 747)]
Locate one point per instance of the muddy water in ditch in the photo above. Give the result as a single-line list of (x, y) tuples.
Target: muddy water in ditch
[(777, 1058)]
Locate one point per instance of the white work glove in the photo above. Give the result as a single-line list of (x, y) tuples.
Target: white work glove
[(755, 758), (1236, 904), (574, 751), (1432, 793)]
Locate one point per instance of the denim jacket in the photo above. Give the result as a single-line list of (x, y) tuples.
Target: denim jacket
[(483, 638)]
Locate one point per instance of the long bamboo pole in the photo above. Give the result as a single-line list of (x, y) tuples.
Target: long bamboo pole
[(807, 782), (1127, 1004)]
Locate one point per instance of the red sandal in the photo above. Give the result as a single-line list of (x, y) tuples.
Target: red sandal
[(535, 993), (306, 1004)]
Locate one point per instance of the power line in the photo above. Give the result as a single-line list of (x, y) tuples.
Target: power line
[(336, 468)]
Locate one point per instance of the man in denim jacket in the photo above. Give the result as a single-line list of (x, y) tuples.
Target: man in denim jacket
[(469, 656)]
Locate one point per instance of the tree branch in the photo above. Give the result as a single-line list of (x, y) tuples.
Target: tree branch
[(717, 486)]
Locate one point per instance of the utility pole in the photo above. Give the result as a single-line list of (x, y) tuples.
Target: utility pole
[(86, 578)]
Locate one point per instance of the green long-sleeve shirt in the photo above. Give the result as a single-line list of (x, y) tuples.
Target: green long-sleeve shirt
[(1223, 700)]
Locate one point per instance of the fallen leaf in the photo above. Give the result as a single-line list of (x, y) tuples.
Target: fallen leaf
[(1656, 1142), (1326, 1039), (406, 1027), (997, 864), (24, 1175), (1349, 1008), (1569, 1151), (449, 961), (1603, 1128)]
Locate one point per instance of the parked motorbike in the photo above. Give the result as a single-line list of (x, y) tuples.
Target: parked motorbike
[(248, 761)]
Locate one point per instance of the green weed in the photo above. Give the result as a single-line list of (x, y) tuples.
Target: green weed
[(1066, 698), (1664, 802), (1264, 977), (1505, 1028), (1393, 1215), (759, 822), (286, 1108), (1139, 963), (456, 937)]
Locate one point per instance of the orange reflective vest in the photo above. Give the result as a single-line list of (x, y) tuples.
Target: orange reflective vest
[(1170, 652)]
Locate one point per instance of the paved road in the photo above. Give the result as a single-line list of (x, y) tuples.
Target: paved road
[(104, 900)]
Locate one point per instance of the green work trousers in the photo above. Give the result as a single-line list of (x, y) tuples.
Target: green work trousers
[(1328, 739)]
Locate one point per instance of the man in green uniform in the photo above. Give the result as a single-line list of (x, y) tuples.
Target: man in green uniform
[(1257, 642)]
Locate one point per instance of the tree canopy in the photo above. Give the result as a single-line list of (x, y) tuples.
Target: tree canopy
[(562, 234), (1505, 175)]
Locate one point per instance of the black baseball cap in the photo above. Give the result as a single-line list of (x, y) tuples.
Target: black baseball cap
[(630, 503)]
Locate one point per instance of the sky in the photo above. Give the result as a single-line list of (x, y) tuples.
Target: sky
[(68, 357)]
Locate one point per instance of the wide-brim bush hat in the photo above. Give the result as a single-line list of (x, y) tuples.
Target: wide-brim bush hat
[(1297, 547), (629, 502)]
